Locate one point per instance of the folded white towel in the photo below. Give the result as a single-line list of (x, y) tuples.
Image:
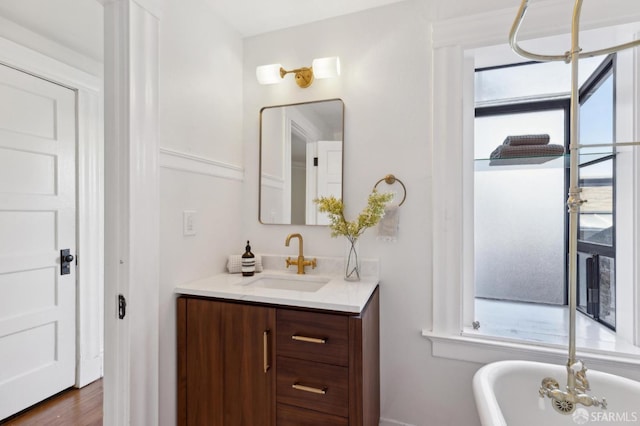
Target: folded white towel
[(519, 140), (388, 225), (234, 264)]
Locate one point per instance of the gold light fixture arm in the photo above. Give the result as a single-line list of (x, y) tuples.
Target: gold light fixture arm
[(303, 76), (328, 67)]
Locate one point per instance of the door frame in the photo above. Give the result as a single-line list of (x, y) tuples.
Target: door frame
[(132, 218), (295, 122), (90, 196)]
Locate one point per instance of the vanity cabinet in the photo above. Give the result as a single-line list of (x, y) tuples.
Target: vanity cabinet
[(251, 364)]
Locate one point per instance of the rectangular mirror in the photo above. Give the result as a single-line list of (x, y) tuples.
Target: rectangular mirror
[(300, 160)]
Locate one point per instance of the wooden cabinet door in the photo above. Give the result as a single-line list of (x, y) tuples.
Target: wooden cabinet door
[(200, 363), (249, 365), (226, 371)]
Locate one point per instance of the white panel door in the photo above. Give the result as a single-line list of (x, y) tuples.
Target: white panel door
[(37, 220), (329, 173)]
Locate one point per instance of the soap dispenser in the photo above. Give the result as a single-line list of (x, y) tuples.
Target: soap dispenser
[(248, 262)]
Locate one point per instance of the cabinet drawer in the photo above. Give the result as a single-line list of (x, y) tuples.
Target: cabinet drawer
[(294, 416), (313, 385), (313, 336)]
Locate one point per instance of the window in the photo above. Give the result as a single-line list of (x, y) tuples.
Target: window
[(596, 233), (521, 221), (519, 208), (460, 48)]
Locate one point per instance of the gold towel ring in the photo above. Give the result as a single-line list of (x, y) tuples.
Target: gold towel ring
[(390, 180)]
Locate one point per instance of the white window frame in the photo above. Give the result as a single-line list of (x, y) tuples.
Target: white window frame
[(452, 192)]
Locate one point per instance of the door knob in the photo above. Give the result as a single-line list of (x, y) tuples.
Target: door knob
[(65, 259)]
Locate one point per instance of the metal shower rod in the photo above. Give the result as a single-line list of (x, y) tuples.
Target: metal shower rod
[(566, 57)]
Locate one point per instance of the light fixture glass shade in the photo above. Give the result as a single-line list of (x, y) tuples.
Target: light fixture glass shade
[(326, 67), (268, 74)]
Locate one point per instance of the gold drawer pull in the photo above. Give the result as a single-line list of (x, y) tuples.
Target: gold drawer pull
[(309, 339), (265, 350), (309, 389)]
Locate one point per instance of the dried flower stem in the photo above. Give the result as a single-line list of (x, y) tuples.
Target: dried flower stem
[(369, 217)]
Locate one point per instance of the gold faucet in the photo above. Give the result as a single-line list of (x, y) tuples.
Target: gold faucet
[(300, 261)]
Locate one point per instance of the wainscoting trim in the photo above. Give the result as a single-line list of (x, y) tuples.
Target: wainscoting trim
[(190, 163)]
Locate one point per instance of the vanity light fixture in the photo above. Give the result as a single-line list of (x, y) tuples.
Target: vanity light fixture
[(320, 68)]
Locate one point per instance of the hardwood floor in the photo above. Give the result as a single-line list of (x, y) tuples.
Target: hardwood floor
[(73, 407)]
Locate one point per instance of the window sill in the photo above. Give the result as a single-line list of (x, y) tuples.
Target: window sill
[(473, 347)]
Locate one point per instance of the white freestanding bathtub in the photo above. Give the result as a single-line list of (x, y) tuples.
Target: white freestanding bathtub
[(506, 394)]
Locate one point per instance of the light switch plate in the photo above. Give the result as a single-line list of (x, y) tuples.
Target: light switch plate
[(189, 222)]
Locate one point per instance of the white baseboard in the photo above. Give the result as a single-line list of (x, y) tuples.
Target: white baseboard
[(389, 422), (89, 370)]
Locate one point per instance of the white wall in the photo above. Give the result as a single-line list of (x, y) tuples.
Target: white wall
[(385, 85), (200, 115), (21, 26), (201, 82), (445, 9)]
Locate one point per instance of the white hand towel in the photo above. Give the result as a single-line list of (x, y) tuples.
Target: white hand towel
[(388, 225)]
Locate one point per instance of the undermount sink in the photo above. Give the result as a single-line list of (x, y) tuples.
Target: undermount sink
[(295, 283)]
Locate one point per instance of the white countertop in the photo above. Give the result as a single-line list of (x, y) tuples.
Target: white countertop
[(336, 295)]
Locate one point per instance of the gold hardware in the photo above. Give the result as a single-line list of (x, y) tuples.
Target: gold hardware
[(265, 348), (320, 68), (308, 339), (300, 262), (310, 389), (303, 76), (390, 180)]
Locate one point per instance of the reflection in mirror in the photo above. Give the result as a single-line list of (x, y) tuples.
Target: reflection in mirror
[(300, 160)]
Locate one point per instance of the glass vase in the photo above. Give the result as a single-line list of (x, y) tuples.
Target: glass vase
[(352, 261)]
